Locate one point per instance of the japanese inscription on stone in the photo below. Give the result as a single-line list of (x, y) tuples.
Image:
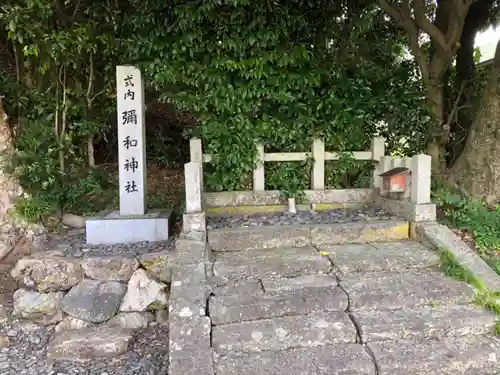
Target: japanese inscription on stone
[(131, 140)]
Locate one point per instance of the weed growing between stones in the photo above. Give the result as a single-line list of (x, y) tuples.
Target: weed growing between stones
[(451, 267), (477, 223), (484, 297)]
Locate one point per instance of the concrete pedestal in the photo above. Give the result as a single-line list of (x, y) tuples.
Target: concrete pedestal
[(115, 229)]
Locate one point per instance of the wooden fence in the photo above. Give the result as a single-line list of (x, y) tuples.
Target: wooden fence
[(318, 154)]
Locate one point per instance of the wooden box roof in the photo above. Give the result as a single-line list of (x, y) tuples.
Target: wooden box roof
[(395, 172)]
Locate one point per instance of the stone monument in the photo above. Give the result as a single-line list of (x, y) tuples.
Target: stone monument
[(133, 223)]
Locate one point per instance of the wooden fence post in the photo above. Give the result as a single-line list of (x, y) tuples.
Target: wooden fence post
[(318, 171), (195, 150), (378, 150), (193, 176), (259, 178), (421, 179)]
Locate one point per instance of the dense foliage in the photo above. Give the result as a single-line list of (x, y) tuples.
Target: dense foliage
[(280, 74), (242, 71)]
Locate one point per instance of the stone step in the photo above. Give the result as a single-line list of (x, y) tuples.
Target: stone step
[(317, 329), (359, 232), (235, 308), (281, 262), (424, 323), (232, 287), (397, 290), (342, 359), (381, 256), (276, 285), (452, 356), (238, 239)]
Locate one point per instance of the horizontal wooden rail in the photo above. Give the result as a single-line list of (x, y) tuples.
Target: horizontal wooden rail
[(318, 153)]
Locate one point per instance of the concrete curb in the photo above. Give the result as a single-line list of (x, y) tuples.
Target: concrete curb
[(441, 237), (267, 209), (273, 197), (238, 239)]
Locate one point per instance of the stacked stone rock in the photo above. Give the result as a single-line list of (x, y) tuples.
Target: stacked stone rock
[(95, 304)]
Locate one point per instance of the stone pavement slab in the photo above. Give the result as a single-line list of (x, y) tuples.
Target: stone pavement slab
[(341, 359), (392, 291), (382, 256), (317, 329), (472, 355), (238, 308), (272, 285), (247, 287), (280, 262), (424, 323)]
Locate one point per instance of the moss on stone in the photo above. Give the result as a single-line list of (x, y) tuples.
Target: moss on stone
[(156, 306)]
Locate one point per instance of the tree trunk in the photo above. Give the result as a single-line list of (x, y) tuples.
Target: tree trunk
[(477, 171), (478, 17), (435, 104)]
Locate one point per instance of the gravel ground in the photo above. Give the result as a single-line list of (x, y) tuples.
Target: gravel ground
[(26, 354), (73, 245), (302, 217)]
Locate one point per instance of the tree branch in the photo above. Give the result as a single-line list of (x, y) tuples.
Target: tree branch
[(391, 11), (427, 26), (456, 24), (404, 19), (420, 57), (91, 79), (76, 10), (445, 135)]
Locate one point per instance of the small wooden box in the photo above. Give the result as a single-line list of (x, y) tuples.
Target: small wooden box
[(394, 180)]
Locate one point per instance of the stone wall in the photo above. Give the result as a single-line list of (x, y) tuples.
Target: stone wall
[(14, 232), (92, 294)]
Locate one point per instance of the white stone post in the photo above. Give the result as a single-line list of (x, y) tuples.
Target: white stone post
[(131, 224), (378, 150), (259, 179), (318, 171), (194, 217), (407, 192), (396, 162), (421, 179), (193, 177), (195, 150), (131, 140)]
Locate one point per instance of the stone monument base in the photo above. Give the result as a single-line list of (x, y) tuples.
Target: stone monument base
[(114, 228)]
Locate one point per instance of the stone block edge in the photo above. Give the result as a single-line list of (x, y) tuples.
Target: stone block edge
[(192, 359), (273, 197), (439, 236), (371, 224)]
